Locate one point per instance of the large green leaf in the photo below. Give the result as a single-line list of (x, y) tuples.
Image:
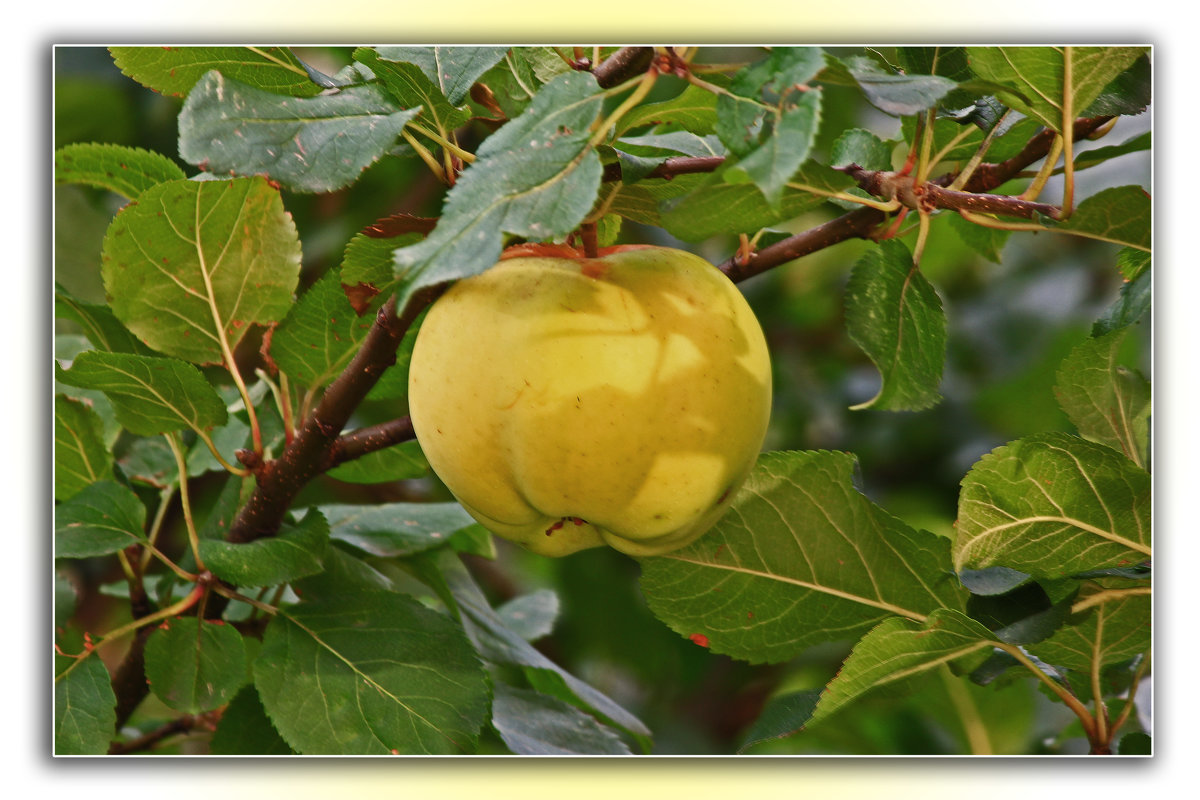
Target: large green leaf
[(694, 109), (396, 529), (99, 324), (398, 462), (801, 557), (128, 171), (319, 335), (410, 87), (894, 92), (297, 551), (895, 315), (1114, 624), (777, 159), (245, 730), (1119, 214), (900, 649), (714, 208), (80, 455), (500, 644), (1037, 76), (370, 673), (103, 518), (195, 665), (452, 69), (1053, 505), (149, 394), (314, 144), (85, 716), (194, 264), (1108, 402), (536, 177), (531, 723), (174, 70)]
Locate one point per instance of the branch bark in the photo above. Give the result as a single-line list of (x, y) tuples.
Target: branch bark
[(312, 451), (623, 65), (862, 223)]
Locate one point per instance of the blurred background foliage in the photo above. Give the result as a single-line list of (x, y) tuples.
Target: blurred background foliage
[(1011, 321)]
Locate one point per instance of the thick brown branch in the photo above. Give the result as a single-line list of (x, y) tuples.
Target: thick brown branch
[(311, 451)]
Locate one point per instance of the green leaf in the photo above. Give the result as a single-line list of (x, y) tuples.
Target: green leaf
[(534, 724), (175, 70), (128, 171), (1136, 744), (192, 265), (1120, 214), (800, 558), (400, 462), (530, 615), (1099, 155), (782, 716), (895, 315), (537, 177), (1053, 505), (861, 147), (512, 82), (85, 716), (1127, 94), (150, 395), (987, 242), (1114, 626), (245, 730), (767, 90), (195, 665), (1036, 76), (693, 110), (1107, 402), (343, 574), (410, 87), (103, 518), (715, 208), (777, 159), (396, 529), (297, 551), (367, 264), (895, 93), (1133, 303), (452, 69), (314, 144), (80, 455), (1133, 263), (224, 509), (900, 649), (319, 336), (370, 673), (100, 325), (499, 644)]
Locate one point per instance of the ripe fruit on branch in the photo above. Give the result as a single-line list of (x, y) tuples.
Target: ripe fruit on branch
[(571, 402)]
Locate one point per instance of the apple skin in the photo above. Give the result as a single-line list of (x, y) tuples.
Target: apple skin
[(571, 402)]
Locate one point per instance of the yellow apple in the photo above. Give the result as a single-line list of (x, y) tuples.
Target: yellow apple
[(571, 402)]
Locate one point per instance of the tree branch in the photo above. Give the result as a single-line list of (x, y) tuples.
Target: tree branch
[(368, 440), (623, 65), (861, 223), (311, 452)]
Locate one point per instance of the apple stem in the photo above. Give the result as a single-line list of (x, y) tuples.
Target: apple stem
[(588, 234)]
